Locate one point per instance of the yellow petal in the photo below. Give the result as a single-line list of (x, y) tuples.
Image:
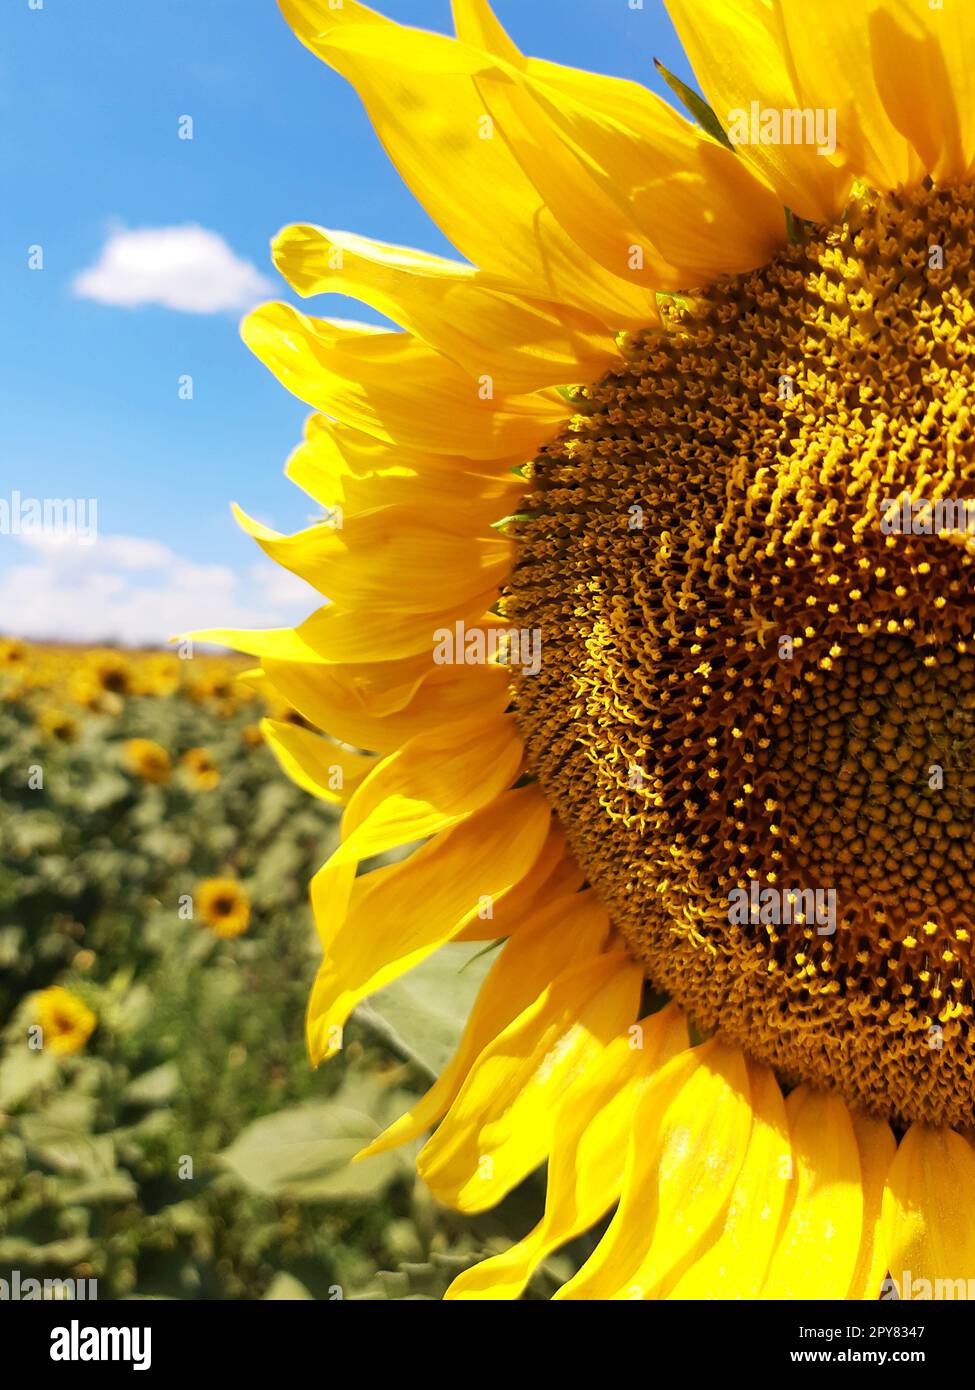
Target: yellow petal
[(688, 1144), (280, 643), (339, 469), (928, 1223), (555, 875), (818, 1249), (319, 766), (425, 99), (475, 23), (738, 51), (689, 205), (592, 1131), (500, 1126), (313, 20), (363, 561), (363, 455), (399, 915), (522, 344), (432, 782), (702, 211), (859, 62), (396, 388), (736, 1264), (561, 933), (381, 705), (340, 635), (899, 75), (877, 1146)]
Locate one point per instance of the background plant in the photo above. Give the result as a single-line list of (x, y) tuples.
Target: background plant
[(187, 1150)]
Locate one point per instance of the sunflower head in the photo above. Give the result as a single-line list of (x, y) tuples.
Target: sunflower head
[(66, 1022), (631, 647), (145, 758), (201, 769), (222, 906), (773, 694), (85, 691), (158, 675), (12, 652), (113, 674), (58, 724)]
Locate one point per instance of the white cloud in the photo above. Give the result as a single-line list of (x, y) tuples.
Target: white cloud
[(134, 590), (185, 268)]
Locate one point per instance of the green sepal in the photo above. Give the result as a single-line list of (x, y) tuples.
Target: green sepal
[(508, 522), (569, 393), (695, 104)]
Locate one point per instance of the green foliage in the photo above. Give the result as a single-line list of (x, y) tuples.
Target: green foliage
[(188, 1150), (422, 1014)]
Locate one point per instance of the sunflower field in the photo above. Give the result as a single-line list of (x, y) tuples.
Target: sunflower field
[(169, 1138)]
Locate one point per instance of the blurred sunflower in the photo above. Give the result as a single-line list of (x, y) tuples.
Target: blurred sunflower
[(147, 759), (251, 736), (223, 906), (112, 673), (201, 769), (86, 691), (653, 427), (58, 724), (158, 675), (12, 652), (66, 1023)]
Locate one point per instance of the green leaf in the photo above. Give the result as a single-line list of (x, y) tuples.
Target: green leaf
[(695, 104), (22, 1072), (68, 1150), (422, 1015), (286, 1286), (154, 1087), (414, 1281), (305, 1154), (17, 1250)]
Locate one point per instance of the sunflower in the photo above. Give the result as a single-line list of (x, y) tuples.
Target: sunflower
[(252, 736), (223, 905), (57, 724), (158, 675), (616, 607), (113, 673), (84, 690), (147, 759), (66, 1023), (201, 769), (12, 651)]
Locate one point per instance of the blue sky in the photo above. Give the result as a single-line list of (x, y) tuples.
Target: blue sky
[(91, 95)]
